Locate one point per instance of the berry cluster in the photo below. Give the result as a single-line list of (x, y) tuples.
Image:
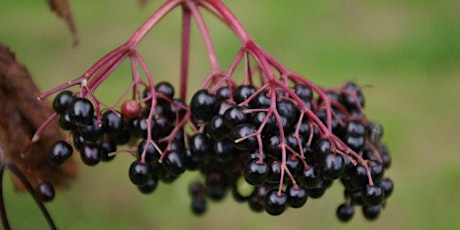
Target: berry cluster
[(271, 144)]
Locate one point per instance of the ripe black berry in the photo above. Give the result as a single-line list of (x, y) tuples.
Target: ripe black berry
[(321, 149), (45, 191), (174, 163), (91, 131), (203, 105), (317, 191), (166, 89), (241, 131), (373, 195), (309, 177), (59, 153), (223, 150), (62, 101), (222, 93), (371, 212), (91, 155), (198, 206), (151, 153), (303, 91), (274, 175), (216, 128), (297, 196), (358, 177), (112, 122), (272, 146), (81, 110), (65, 122), (139, 173), (200, 145), (242, 92), (387, 185), (256, 172), (345, 212), (275, 203), (355, 128), (108, 147), (149, 186), (332, 167), (234, 116)]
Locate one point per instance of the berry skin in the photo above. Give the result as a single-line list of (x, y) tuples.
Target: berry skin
[(203, 105), (387, 185), (317, 191), (321, 149), (166, 89), (223, 150), (373, 195), (358, 177), (91, 131), (62, 101), (297, 196), (355, 129), (112, 122), (59, 153), (332, 167), (309, 178), (106, 148), (272, 146), (256, 172), (261, 100), (374, 131), (234, 116), (371, 212), (352, 96), (200, 145), (139, 173), (216, 128), (288, 110), (242, 92), (355, 143), (275, 172), (45, 191), (196, 189), (345, 212), (377, 170), (149, 186), (151, 153), (275, 203), (223, 93), (131, 109), (65, 122), (303, 92), (81, 110), (91, 155), (174, 163), (244, 130), (198, 206)]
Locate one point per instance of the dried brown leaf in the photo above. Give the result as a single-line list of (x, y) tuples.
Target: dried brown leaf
[(21, 115), (62, 9)]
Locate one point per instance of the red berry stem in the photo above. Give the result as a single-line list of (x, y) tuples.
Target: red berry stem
[(206, 37), (185, 49)]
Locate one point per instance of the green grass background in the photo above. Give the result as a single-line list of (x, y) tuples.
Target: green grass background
[(407, 50)]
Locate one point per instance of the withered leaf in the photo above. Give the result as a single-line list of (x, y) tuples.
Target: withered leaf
[(62, 9), (21, 115)]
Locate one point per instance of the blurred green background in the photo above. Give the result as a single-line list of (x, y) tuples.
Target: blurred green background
[(408, 52)]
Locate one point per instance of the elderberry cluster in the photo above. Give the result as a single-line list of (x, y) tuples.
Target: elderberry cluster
[(260, 145)]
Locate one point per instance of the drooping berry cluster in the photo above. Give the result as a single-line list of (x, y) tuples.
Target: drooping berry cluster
[(272, 144)]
